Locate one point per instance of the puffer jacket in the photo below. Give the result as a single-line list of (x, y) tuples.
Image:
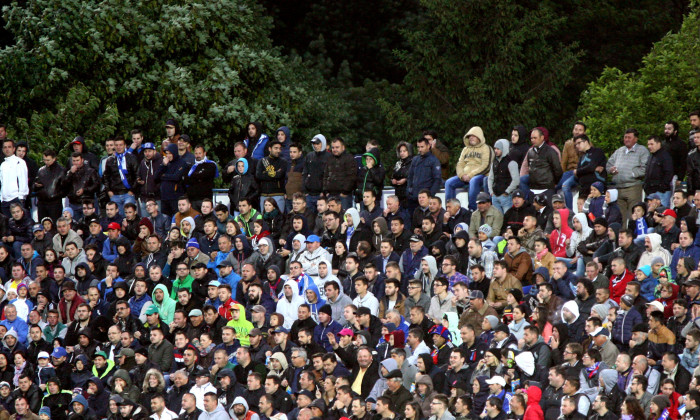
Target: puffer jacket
[(340, 174), (171, 176), (314, 165), (21, 229), (49, 183), (112, 178), (85, 179), (545, 167), (370, 179), (147, 173), (622, 328), (474, 160)]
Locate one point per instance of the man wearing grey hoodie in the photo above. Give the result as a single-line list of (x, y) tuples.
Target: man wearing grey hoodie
[(238, 411), (314, 165), (504, 176)]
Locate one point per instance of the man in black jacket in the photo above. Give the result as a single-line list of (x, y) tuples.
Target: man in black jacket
[(364, 363), (82, 182), (340, 175), (200, 178), (48, 186), (544, 163), (659, 172), (314, 165), (626, 250), (271, 173), (119, 176)]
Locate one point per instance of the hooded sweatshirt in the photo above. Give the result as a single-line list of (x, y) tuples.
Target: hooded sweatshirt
[(171, 176), (474, 160), (314, 164), (576, 236), (433, 270), (519, 149), (504, 175), (656, 251), (242, 325), (288, 308), (533, 410), (380, 386), (370, 178), (557, 239), (166, 308)]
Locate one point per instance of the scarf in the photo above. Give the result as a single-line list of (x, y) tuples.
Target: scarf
[(121, 164), (205, 160), (541, 254), (271, 215), (18, 372), (593, 370)]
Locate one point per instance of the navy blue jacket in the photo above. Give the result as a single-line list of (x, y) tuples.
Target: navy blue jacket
[(424, 173)]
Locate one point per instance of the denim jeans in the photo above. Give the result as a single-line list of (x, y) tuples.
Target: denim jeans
[(346, 201), (122, 199), (502, 202), (311, 201), (525, 185), (568, 180), (665, 198), (579, 266), (476, 185)]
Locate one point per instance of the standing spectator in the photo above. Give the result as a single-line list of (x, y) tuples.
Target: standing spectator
[(694, 165), (404, 155), (49, 187), (295, 176), (544, 164), (256, 142), (340, 174), (570, 157), (14, 178), (473, 164), (628, 167), (659, 171), (119, 176), (504, 177), (200, 178), (82, 183), (678, 149), (314, 166), (590, 169), (424, 173), (171, 174), (271, 173), (370, 177), (440, 150), (149, 188)]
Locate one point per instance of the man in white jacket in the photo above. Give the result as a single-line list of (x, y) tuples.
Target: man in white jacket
[(313, 255), (289, 302), (14, 178)]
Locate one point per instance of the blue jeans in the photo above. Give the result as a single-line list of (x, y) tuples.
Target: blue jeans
[(665, 198), (525, 185), (122, 199), (346, 201), (568, 180), (278, 198), (476, 185), (287, 205), (311, 201), (502, 202)]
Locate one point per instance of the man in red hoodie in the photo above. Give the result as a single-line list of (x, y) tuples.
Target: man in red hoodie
[(618, 281), (533, 411)]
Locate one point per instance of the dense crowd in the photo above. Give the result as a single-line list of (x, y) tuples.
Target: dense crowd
[(567, 288)]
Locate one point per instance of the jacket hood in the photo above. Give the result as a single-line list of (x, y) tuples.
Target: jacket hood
[(301, 238), (655, 241), (475, 131), (408, 147), (564, 216), (381, 222), (84, 266), (80, 400), (432, 265), (585, 229), (613, 195), (428, 362), (270, 247), (504, 145), (98, 384), (526, 362), (172, 148), (241, 310), (124, 375), (245, 165), (166, 296), (388, 365), (374, 154), (280, 357), (286, 131), (295, 287), (646, 269), (523, 134), (573, 308), (355, 216), (425, 380), (609, 377), (463, 226), (242, 401), (544, 273), (275, 268), (323, 141), (534, 395), (247, 248)]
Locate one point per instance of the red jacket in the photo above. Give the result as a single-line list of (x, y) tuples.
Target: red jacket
[(226, 308), (618, 284), (533, 410), (66, 318)]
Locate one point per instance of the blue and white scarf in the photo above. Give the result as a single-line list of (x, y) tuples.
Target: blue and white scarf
[(121, 164), (205, 160)]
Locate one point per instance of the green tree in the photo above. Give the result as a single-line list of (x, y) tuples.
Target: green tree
[(210, 64), (664, 88), (480, 62)]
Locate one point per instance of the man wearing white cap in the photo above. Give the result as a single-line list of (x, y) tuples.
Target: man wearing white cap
[(600, 338), (497, 386)]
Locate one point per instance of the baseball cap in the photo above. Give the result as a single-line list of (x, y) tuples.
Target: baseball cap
[(694, 282), (502, 328), (195, 312), (518, 193), (600, 331), (100, 354), (199, 265), (657, 305), (149, 145), (59, 352), (669, 212), (483, 197), (37, 228), (346, 331), (255, 332), (153, 309), (4, 383), (224, 264), (557, 198), (214, 283), (416, 238), (498, 380), (258, 308), (114, 225), (43, 355), (641, 327), (280, 330), (655, 196), (307, 394), (312, 238), (125, 351), (476, 294), (627, 299)]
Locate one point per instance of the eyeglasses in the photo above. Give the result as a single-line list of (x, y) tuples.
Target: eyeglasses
[(414, 287)]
